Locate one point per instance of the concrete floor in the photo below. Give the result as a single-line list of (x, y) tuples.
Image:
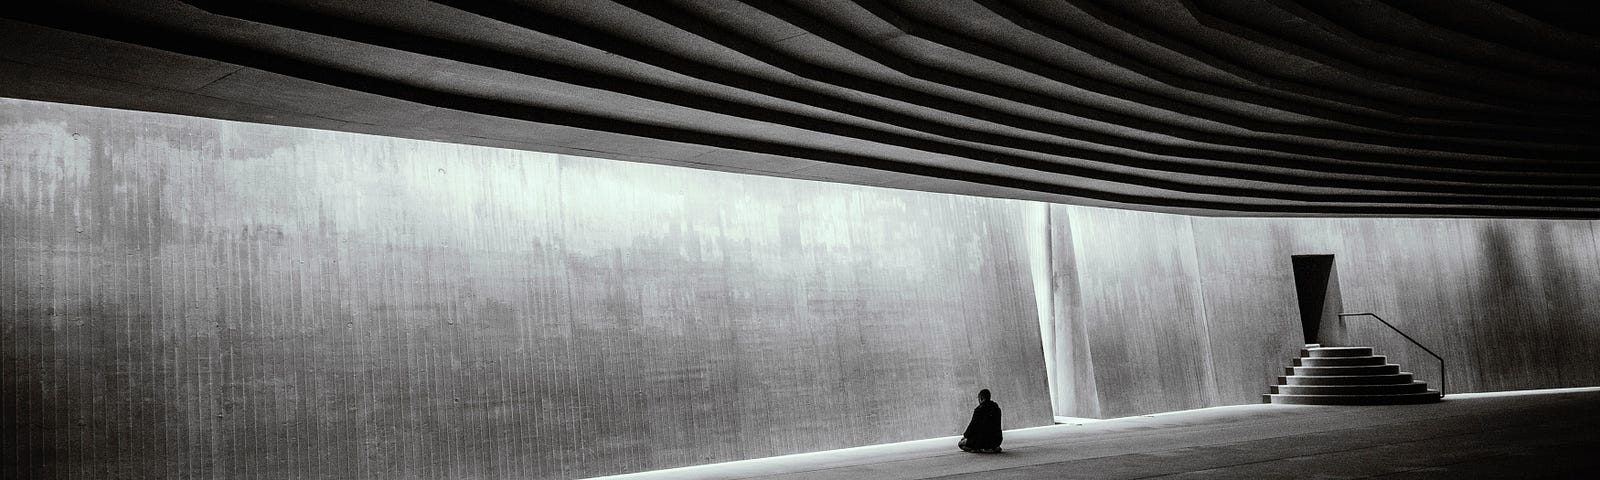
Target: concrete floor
[(1524, 434)]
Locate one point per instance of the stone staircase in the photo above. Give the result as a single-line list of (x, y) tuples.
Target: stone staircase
[(1347, 376)]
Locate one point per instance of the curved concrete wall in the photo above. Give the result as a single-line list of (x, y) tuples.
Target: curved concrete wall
[(1165, 312), (188, 297)]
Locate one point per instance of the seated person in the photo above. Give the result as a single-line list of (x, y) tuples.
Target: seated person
[(983, 433)]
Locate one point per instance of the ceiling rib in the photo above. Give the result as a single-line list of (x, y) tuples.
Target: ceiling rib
[(929, 100)]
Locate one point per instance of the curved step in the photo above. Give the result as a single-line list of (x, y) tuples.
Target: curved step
[(1388, 369), (1337, 352), (1400, 378), (1428, 396), (1389, 389), (1340, 361)]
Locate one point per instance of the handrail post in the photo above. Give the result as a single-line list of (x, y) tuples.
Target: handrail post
[(1407, 337)]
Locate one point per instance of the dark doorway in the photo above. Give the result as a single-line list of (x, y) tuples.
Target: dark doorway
[(1316, 284)]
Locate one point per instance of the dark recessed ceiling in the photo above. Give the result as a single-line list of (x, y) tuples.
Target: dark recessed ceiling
[(1213, 107)]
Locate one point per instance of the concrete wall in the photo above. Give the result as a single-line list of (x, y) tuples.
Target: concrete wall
[(188, 297), (1168, 312)]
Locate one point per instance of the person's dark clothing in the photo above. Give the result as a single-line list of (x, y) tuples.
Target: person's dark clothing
[(984, 430)]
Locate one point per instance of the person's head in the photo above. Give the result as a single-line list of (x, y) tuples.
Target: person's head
[(983, 395)]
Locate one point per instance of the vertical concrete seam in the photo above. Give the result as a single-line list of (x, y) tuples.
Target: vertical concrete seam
[(1213, 396), (1475, 310), (1594, 241), (1041, 271), (1050, 309), (1079, 322)]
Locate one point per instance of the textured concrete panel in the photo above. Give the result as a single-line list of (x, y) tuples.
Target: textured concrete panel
[(1509, 304), (188, 297), (1142, 310), (1072, 376), (1250, 302)]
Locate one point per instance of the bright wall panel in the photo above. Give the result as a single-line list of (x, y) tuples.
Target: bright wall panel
[(1140, 307), (188, 297)]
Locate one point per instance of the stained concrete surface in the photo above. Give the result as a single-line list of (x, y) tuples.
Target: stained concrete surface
[(1522, 434), (191, 298)]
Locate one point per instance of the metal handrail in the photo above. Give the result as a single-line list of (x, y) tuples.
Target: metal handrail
[(1408, 337)]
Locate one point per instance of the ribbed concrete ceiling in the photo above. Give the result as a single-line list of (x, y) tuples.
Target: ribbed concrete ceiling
[(1213, 107)]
